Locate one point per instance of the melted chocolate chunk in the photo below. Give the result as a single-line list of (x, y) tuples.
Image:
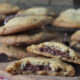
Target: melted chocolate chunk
[(54, 51), (58, 69), (35, 68), (12, 16), (3, 57)]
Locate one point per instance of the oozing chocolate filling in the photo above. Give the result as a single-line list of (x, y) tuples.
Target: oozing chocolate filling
[(12, 16), (54, 51), (35, 68), (32, 68)]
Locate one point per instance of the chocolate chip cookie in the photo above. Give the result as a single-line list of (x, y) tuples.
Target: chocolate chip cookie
[(41, 66), (69, 18), (55, 50), (7, 8), (19, 24), (37, 11), (28, 38), (13, 52)]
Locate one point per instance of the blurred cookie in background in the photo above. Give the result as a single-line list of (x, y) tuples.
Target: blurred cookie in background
[(7, 8), (69, 18), (75, 40), (2, 18), (12, 52), (37, 11), (28, 38)]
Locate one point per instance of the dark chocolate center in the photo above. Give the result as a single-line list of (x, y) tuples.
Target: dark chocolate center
[(54, 51), (35, 68)]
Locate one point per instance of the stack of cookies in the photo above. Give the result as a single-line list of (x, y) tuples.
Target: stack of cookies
[(49, 61), (22, 37), (22, 30)]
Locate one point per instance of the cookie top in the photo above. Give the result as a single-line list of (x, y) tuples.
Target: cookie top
[(19, 24), (55, 50), (27, 38), (37, 11), (76, 36), (6, 8), (13, 52), (69, 18), (42, 66)]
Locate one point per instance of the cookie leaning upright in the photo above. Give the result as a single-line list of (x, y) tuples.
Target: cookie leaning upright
[(41, 66), (23, 23), (55, 50), (69, 18), (37, 11), (6, 8)]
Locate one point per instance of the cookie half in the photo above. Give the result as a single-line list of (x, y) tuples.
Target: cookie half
[(37, 11), (55, 50), (69, 18), (13, 52), (41, 66), (6, 8), (27, 38), (19, 24)]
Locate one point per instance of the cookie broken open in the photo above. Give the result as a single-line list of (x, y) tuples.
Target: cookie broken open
[(55, 50), (41, 66)]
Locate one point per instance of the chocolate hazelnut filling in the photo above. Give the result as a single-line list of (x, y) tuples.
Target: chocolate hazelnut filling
[(54, 51), (29, 68)]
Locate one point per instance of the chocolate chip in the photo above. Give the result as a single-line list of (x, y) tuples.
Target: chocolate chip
[(54, 51), (58, 69)]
